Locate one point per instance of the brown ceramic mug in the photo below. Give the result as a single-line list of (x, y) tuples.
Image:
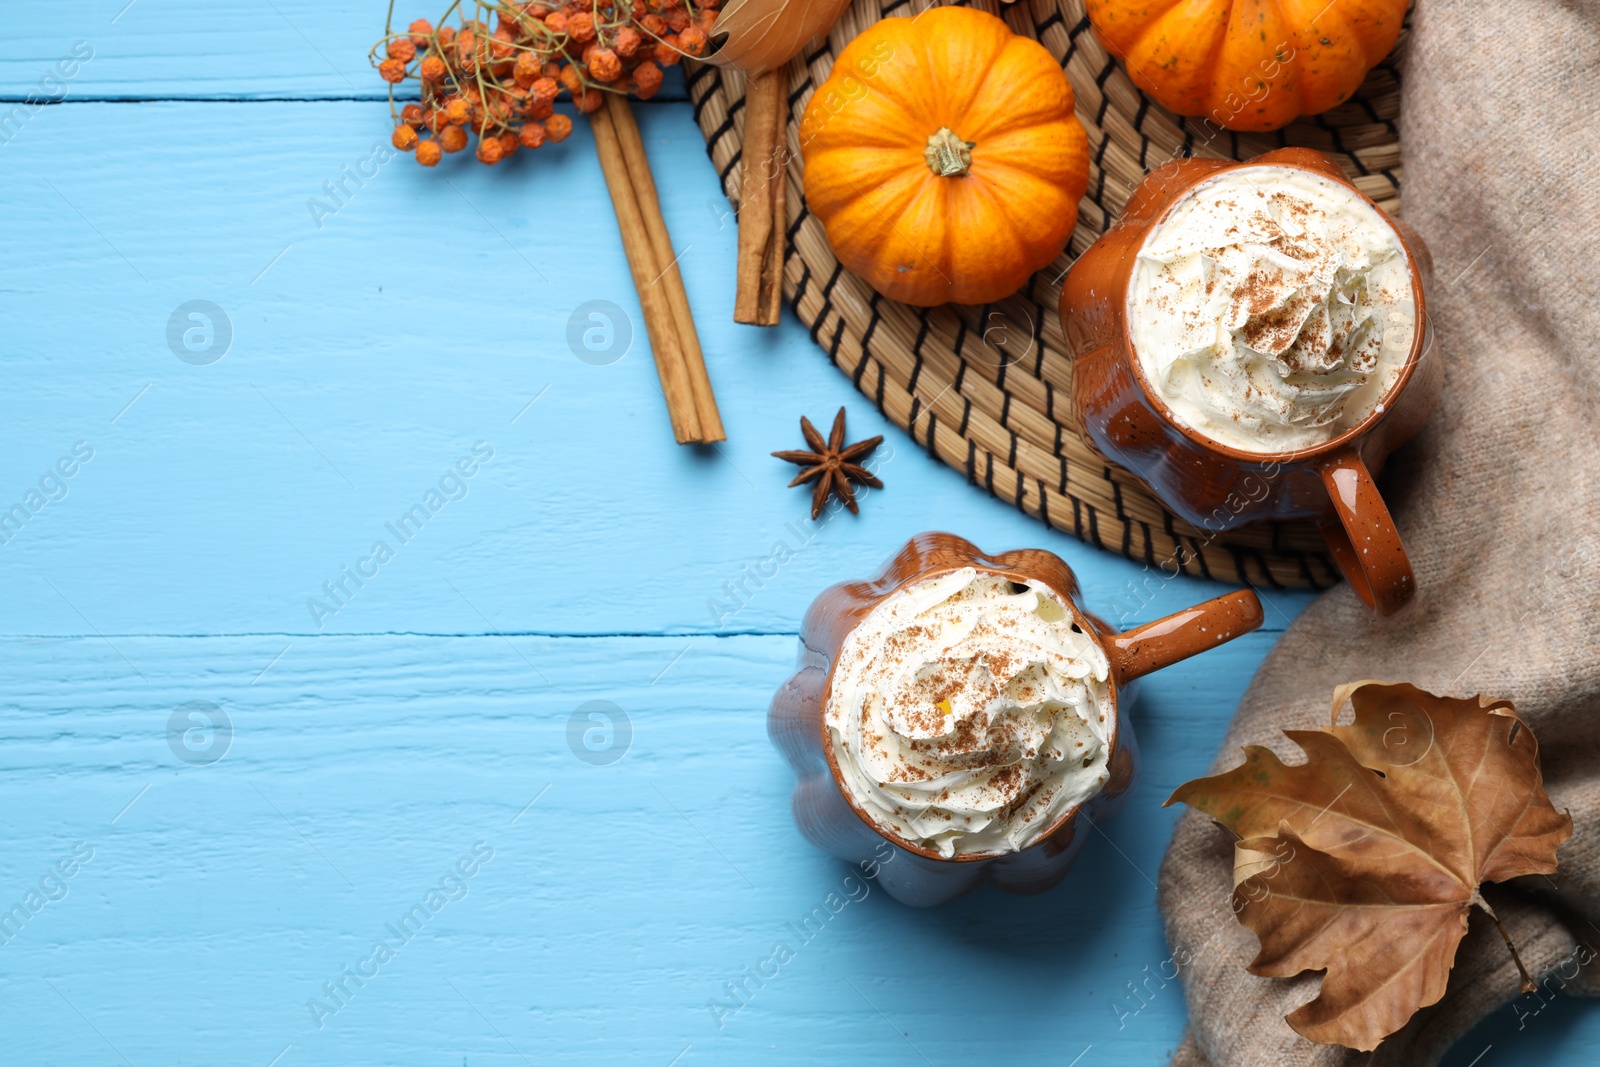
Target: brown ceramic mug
[(832, 819), (1210, 484)]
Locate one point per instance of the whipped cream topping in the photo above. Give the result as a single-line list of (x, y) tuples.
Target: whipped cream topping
[(1272, 308), (967, 712)]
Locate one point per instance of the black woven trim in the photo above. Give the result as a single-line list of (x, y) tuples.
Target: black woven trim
[(699, 104), (833, 280), (1180, 554), (1044, 502), (794, 228), (1240, 564), (1105, 99), (805, 83), (697, 108), (1105, 74), (916, 354), (1138, 124), (1260, 560), (872, 322), (800, 291), (1181, 557), (861, 367), (727, 171), (723, 130), (1305, 570), (699, 73), (1037, 339), (1339, 146), (1366, 105), (1301, 559), (1100, 171)]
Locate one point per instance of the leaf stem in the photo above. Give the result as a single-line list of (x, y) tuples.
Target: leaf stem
[(1528, 984)]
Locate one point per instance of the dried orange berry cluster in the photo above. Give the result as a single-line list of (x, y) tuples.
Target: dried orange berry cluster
[(502, 84)]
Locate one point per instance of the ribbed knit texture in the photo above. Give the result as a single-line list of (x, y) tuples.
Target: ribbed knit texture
[(1498, 501)]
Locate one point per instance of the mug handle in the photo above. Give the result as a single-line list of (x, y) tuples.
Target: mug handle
[(1188, 633), (1361, 535)]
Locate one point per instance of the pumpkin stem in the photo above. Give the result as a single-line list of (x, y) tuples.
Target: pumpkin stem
[(948, 156)]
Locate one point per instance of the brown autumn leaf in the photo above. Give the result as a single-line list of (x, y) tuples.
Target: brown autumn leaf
[(756, 35), (1365, 860)]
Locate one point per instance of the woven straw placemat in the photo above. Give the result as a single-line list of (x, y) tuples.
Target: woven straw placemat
[(986, 389)]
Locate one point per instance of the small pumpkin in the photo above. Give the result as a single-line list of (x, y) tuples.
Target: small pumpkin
[(1248, 64), (943, 158)]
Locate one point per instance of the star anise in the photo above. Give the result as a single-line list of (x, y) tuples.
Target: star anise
[(832, 464)]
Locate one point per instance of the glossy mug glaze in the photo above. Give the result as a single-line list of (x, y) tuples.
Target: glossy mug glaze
[(831, 819), (1212, 485)]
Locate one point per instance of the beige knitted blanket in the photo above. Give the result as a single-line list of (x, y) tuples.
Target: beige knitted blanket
[(1499, 503)]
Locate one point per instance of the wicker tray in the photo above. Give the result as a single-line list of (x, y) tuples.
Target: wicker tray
[(985, 388)]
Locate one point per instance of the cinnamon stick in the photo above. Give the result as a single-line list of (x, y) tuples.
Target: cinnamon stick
[(670, 279), (762, 212), (659, 321)]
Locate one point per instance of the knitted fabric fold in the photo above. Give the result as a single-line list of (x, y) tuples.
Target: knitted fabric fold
[(1498, 501)]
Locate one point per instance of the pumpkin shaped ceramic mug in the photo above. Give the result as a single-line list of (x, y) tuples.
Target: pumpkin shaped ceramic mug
[(1250, 341), (955, 720)]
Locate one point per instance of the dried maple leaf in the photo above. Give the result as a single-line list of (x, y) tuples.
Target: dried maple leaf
[(1365, 860)]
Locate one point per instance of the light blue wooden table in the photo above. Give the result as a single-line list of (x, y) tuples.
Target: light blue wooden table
[(410, 761)]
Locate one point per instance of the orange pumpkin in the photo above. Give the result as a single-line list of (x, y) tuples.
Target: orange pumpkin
[(1248, 64), (943, 158)]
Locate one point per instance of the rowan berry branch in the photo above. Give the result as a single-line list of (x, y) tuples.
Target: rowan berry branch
[(503, 84)]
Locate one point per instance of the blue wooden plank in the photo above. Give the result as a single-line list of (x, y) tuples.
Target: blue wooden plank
[(220, 896), (368, 356), (186, 49)]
